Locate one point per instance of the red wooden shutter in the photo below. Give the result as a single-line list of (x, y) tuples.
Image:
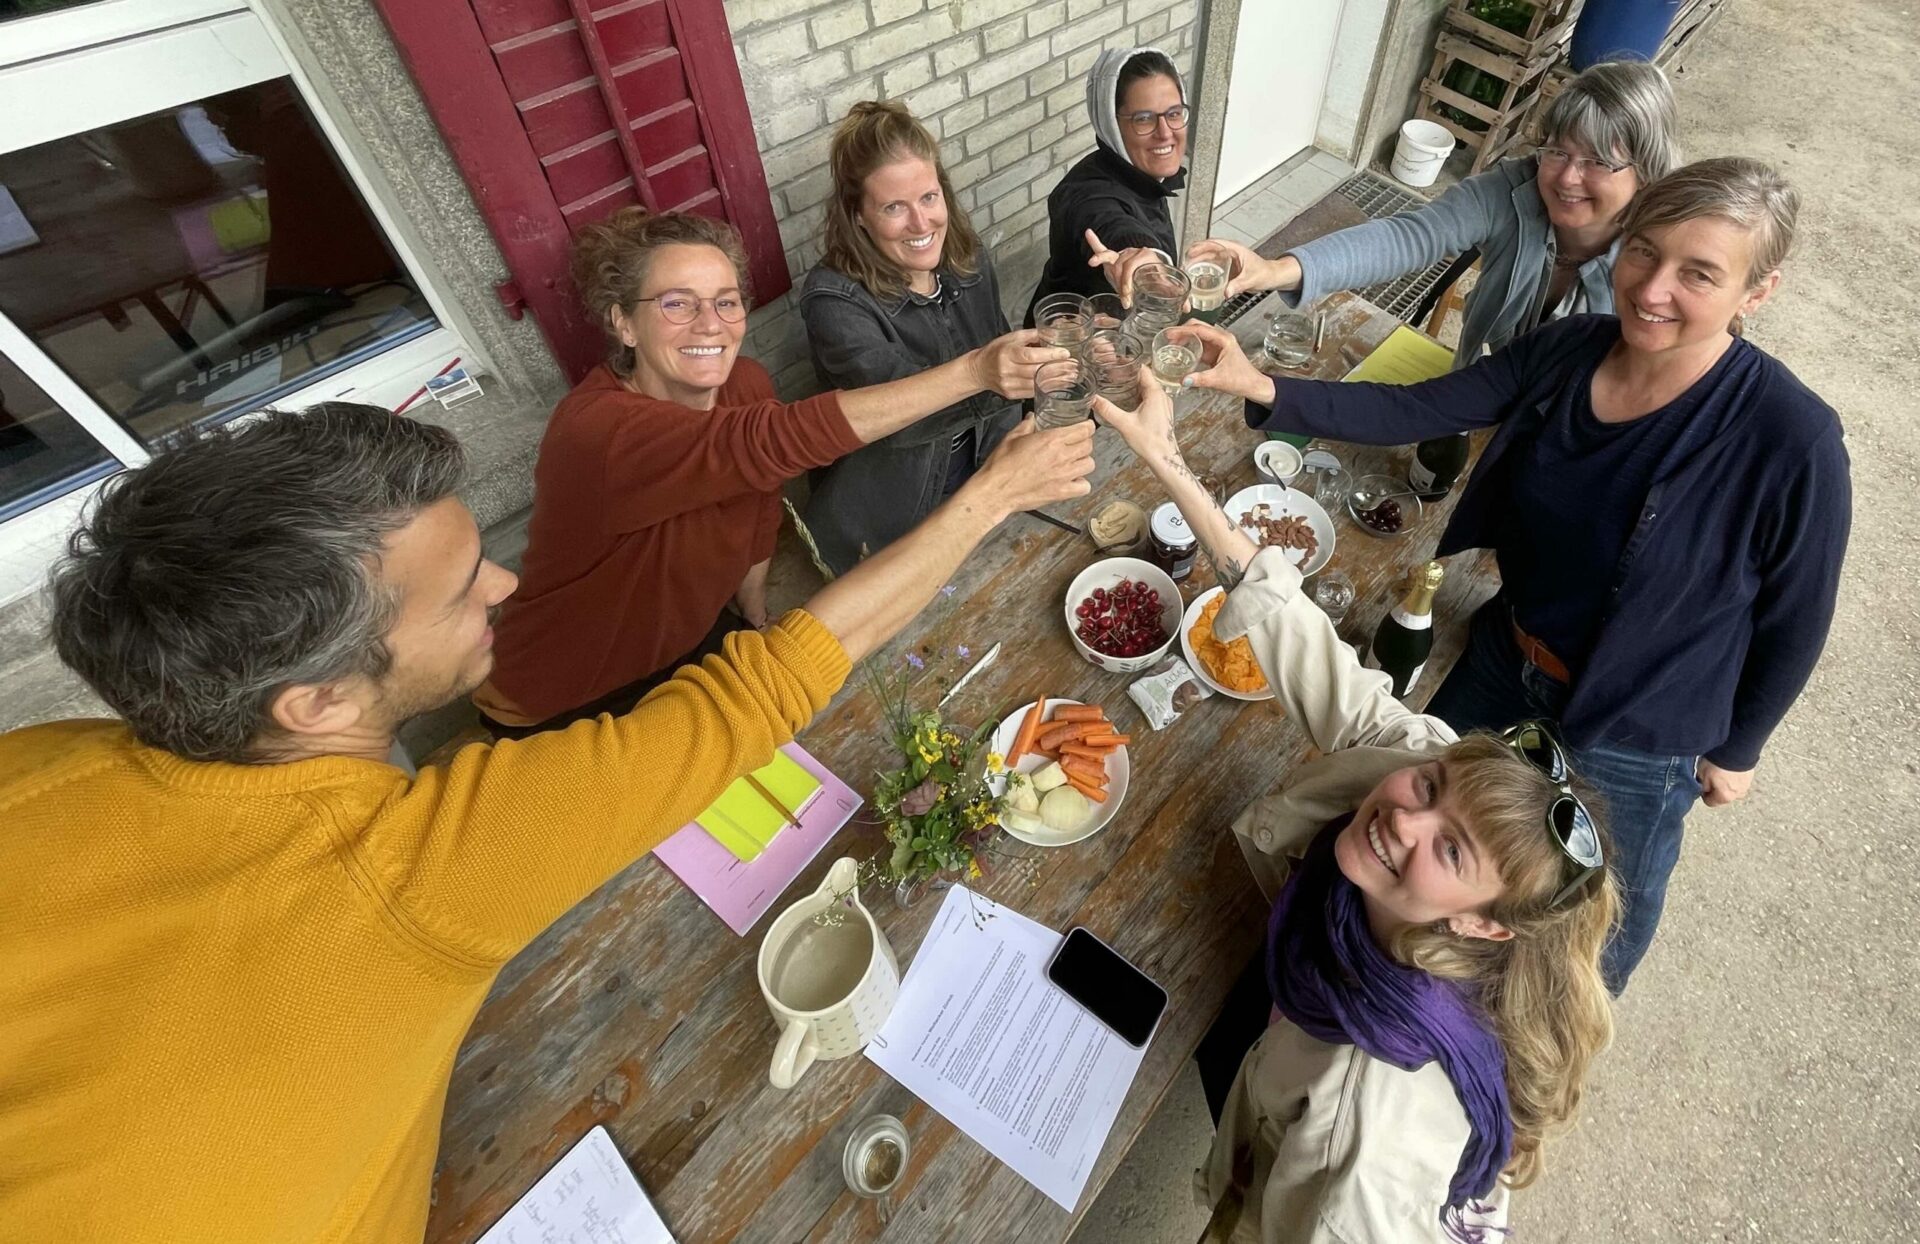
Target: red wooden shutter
[(560, 112)]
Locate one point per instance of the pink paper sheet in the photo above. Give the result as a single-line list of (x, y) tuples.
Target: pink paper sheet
[(741, 893)]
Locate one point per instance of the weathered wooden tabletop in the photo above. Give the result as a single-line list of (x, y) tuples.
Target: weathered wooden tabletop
[(640, 1009)]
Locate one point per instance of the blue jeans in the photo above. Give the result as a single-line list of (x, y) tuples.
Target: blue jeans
[(1647, 795)]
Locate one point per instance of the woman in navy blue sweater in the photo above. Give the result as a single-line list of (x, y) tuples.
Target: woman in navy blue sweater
[(1668, 504)]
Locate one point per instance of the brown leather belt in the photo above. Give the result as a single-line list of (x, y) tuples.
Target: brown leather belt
[(1539, 655)]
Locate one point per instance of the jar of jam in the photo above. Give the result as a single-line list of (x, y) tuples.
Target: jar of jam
[(1173, 542)]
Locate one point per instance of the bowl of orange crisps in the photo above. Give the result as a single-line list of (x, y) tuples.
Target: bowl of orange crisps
[(1228, 668)]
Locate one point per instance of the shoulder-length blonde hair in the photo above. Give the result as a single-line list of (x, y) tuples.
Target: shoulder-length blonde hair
[(612, 257), (873, 135), (1541, 989)]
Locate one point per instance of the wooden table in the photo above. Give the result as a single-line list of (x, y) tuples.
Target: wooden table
[(640, 1009)]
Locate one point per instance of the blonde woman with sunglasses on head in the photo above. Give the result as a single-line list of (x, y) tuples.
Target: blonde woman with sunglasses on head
[(1433, 952), (656, 496), (1547, 227)]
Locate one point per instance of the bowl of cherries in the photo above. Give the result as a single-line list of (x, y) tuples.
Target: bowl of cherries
[(1123, 613)]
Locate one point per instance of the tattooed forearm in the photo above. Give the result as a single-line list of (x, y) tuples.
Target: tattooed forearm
[(1229, 571)]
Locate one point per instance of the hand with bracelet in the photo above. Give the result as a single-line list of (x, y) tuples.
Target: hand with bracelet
[(1148, 431)]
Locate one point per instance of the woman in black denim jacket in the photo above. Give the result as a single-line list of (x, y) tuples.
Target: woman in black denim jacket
[(905, 285)]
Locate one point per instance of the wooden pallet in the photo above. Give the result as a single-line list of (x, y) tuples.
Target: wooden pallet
[(1548, 28), (1505, 121)]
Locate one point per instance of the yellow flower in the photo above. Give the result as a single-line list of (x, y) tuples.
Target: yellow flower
[(996, 763), (973, 870)]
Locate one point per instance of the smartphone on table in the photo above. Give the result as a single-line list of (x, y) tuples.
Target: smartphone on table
[(1118, 994)]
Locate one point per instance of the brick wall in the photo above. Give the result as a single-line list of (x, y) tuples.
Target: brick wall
[(1001, 83)]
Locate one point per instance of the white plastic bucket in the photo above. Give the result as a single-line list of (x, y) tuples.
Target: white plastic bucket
[(1423, 147)]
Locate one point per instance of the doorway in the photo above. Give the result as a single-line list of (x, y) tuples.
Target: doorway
[(1281, 58)]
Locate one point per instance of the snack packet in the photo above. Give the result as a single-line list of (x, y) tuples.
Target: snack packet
[(1170, 690)]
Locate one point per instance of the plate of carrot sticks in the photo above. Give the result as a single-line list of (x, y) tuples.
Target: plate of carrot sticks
[(1090, 750)]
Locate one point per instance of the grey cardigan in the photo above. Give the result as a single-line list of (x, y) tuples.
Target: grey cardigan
[(875, 494), (1498, 211)]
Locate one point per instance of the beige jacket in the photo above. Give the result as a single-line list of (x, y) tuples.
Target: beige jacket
[(1322, 1144)]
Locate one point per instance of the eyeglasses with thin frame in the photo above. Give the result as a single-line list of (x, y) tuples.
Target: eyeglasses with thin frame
[(1586, 166), (1568, 819), (681, 306), (1144, 122)]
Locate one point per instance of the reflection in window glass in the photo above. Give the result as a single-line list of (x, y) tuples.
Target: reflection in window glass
[(43, 452), (197, 263)]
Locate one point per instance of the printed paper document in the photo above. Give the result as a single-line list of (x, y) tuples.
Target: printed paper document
[(982, 1036)]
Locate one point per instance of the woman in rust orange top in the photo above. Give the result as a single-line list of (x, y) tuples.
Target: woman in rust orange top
[(657, 492)]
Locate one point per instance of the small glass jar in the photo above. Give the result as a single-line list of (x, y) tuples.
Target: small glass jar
[(1173, 542), (876, 1157)]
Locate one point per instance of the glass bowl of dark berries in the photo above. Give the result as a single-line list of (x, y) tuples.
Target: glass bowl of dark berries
[(1383, 505), (1123, 613)]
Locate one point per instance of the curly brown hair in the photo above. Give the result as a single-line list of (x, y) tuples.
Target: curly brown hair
[(611, 260)]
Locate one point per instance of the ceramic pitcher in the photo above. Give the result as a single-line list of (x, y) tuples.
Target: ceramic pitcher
[(828, 976)]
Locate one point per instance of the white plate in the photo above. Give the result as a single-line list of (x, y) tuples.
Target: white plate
[(1199, 669), (1119, 769), (1287, 503)]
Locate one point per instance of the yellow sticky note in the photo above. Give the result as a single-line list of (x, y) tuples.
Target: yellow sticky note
[(1407, 356), (742, 820)]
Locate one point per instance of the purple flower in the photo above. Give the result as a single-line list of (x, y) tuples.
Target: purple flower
[(948, 590), (964, 651), (913, 659)]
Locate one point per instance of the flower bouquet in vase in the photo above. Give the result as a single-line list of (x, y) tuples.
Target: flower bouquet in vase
[(936, 809)]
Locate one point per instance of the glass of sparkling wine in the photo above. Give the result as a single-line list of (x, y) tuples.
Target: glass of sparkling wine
[(1063, 319), (1173, 361), (1062, 393), (1208, 284)]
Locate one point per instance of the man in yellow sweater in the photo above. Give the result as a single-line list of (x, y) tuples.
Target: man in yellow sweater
[(238, 947)]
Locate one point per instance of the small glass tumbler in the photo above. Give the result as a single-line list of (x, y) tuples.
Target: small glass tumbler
[(1115, 359), (1289, 339), (1330, 488), (1334, 593), (876, 1157), (1062, 393), (1107, 311), (1160, 289), (1208, 284), (1173, 361), (1063, 319)]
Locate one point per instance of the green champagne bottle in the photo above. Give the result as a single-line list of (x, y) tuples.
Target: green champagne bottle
[(1405, 636)]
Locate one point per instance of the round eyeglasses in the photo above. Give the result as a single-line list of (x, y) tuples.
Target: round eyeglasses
[(680, 306), (1144, 122)]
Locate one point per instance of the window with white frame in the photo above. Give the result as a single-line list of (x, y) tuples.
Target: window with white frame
[(182, 241)]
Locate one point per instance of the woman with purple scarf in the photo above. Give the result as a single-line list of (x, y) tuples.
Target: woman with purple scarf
[(1433, 954)]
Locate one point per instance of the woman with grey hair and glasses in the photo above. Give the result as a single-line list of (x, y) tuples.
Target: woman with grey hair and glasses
[(1547, 227), (1668, 505)]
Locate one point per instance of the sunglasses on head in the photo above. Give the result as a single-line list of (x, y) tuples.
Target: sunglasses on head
[(1568, 820)]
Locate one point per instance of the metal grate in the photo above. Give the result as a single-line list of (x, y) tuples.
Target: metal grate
[(1378, 198)]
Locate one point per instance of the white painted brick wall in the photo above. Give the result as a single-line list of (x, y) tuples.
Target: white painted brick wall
[(1001, 83)]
